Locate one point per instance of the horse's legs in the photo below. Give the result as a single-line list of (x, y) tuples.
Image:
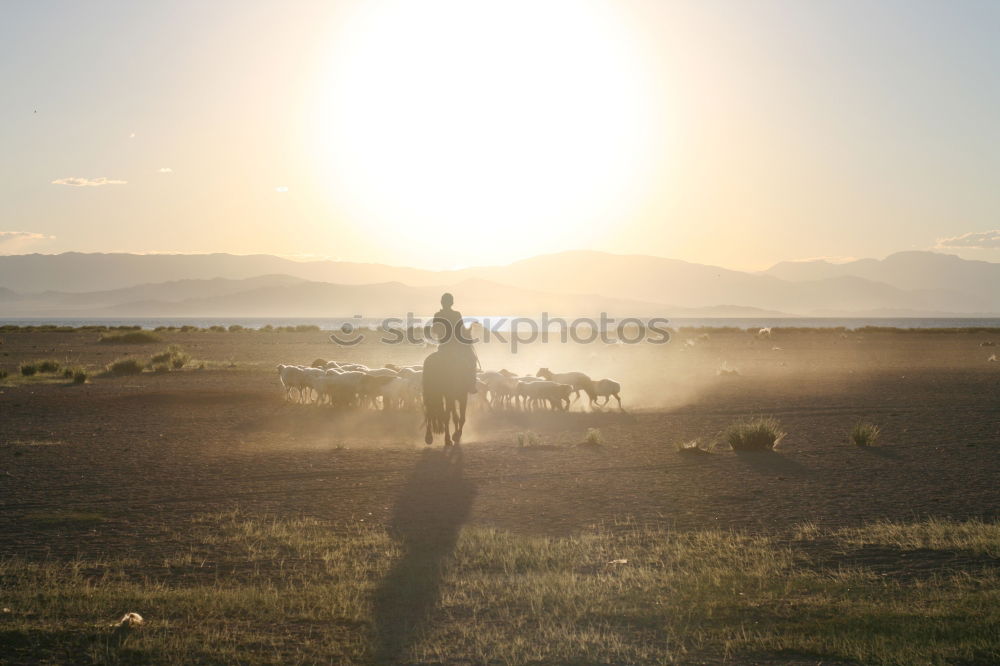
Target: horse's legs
[(447, 427), (618, 398), (429, 420), (460, 419)]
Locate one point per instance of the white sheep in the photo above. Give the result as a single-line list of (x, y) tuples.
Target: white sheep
[(340, 387), (578, 380), (535, 393), (291, 377), (499, 387), (608, 388)]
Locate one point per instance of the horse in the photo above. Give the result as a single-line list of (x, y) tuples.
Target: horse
[(445, 396)]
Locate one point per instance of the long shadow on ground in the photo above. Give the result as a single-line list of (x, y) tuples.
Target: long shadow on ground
[(427, 518)]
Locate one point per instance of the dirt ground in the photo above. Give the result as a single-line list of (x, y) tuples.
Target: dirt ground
[(143, 454)]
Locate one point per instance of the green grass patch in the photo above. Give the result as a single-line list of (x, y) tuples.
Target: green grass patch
[(129, 338), (259, 590), (865, 434), (124, 367), (173, 357)]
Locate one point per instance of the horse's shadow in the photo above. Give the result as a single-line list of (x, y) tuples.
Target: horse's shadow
[(427, 519)]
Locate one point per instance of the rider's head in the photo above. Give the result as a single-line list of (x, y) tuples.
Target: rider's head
[(447, 300)]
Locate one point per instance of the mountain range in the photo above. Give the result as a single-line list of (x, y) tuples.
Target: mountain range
[(572, 283)]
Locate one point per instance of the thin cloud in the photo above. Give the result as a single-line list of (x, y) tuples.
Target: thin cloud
[(12, 242), (979, 240), (23, 235), (281, 188), (88, 182), (164, 170)]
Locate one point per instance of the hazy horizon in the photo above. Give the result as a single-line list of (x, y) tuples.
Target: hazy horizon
[(451, 134)]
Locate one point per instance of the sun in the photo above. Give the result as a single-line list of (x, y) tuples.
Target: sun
[(479, 131)]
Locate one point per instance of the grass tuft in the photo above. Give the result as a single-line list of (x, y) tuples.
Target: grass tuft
[(593, 437), (527, 439), (48, 366), (865, 434), (124, 367), (175, 357), (29, 369), (761, 433), (129, 338)]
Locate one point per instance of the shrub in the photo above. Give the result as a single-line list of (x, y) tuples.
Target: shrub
[(28, 369), (161, 368), (865, 434), (67, 372), (217, 329), (319, 363), (593, 437), (48, 365), (129, 338), (235, 328), (124, 366), (79, 375), (174, 356), (757, 434), (527, 439), (187, 328)]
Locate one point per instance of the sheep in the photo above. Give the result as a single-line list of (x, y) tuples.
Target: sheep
[(340, 387), (313, 382), (291, 377), (370, 386), (396, 393), (382, 372), (555, 393), (608, 388), (578, 380), (499, 386)]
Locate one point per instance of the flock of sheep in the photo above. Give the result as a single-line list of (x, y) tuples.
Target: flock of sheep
[(401, 387)]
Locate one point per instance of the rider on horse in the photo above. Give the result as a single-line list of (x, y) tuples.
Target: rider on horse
[(455, 340)]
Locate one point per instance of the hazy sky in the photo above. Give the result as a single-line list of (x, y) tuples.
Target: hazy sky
[(447, 133)]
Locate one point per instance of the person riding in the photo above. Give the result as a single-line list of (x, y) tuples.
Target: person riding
[(454, 339)]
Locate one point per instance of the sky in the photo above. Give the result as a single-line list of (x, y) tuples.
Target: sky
[(450, 133)]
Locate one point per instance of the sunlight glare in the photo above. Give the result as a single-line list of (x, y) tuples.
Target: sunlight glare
[(451, 122)]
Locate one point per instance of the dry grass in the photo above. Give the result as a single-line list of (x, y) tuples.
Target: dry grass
[(124, 366), (693, 447), (258, 590), (129, 338), (760, 433), (865, 434)]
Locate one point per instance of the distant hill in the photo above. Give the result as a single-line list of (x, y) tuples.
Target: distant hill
[(977, 282), (285, 296), (584, 281)]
